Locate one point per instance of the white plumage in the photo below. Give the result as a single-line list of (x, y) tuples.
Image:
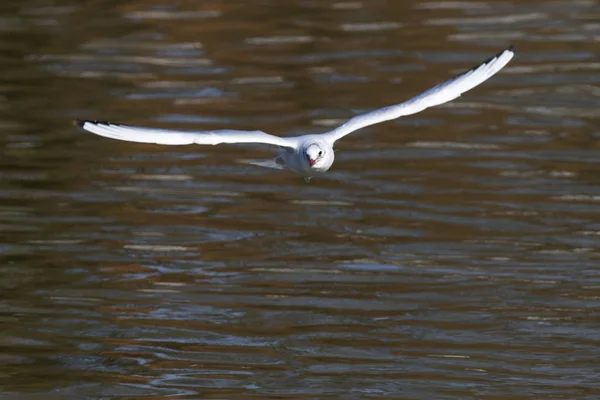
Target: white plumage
[(172, 137), (299, 152)]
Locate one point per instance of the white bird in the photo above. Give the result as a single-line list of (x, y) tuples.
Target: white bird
[(309, 155)]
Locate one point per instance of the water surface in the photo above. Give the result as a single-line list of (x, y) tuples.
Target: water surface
[(446, 255)]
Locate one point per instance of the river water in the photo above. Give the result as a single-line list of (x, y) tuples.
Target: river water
[(447, 255)]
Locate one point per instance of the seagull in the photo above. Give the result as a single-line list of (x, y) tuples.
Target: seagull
[(308, 155)]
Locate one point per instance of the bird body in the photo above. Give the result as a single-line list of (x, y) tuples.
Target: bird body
[(308, 155), (312, 157)]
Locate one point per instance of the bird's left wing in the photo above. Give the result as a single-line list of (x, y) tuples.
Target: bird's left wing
[(174, 137), (440, 94)]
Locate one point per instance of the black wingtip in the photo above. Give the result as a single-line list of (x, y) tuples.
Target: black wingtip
[(510, 48), (82, 122)]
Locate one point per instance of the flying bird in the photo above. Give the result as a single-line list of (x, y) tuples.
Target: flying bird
[(308, 155)]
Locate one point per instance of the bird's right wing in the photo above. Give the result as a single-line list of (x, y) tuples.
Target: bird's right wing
[(174, 137)]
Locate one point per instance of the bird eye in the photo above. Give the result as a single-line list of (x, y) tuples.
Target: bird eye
[(320, 153)]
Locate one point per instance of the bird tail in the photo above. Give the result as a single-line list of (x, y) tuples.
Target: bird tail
[(275, 163)]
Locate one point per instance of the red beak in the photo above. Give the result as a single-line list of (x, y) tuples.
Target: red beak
[(311, 162)]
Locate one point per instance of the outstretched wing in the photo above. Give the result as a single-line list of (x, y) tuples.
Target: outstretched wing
[(173, 137), (440, 94)]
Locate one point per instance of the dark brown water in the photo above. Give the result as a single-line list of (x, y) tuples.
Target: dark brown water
[(448, 255)]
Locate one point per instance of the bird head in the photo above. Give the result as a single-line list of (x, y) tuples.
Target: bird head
[(314, 154)]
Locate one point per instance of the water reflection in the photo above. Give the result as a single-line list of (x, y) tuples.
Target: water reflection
[(443, 254)]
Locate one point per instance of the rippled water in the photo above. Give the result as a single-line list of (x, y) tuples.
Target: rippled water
[(448, 255)]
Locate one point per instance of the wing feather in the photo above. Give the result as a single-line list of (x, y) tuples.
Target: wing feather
[(442, 93), (176, 137)]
